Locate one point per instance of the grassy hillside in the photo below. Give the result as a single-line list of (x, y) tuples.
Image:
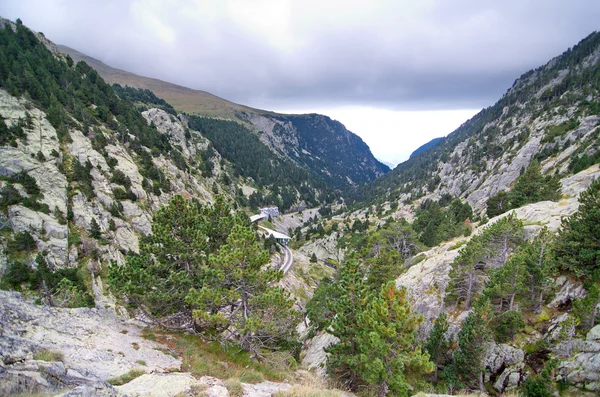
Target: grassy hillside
[(181, 98)]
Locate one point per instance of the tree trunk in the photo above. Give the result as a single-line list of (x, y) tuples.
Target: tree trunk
[(383, 389), (512, 301), (481, 384), (469, 291), (505, 250)]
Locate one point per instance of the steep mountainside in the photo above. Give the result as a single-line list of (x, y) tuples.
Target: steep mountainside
[(324, 146), (82, 170), (549, 114), (426, 146)]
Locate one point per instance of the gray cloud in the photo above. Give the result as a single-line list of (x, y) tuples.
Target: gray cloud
[(286, 53)]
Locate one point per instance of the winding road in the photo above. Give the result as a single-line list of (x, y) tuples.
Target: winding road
[(287, 260)]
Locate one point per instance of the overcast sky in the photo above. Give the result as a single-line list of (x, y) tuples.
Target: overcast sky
[(397, 72)]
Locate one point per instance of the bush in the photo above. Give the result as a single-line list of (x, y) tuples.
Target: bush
[(17, 274), (126, 378), (537, 386), (507, 324), (22, 241), (48, 355)]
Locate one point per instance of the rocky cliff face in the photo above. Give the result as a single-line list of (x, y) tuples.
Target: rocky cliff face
[(134, 218), (321, 144)]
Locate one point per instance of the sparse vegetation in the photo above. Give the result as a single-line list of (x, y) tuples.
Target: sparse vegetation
[(127, 377)]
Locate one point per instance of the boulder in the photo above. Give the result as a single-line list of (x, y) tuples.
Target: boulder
[(500, 356), (594, 334), (264, 389), (569, 291), (99, 389), (162, 385)]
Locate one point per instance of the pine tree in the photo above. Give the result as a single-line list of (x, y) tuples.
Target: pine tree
[(388, 352), (437, 344), (183, 235), (468, 358), (238, 296), (343, 359), (313, 258), (95, 229), (586, 309), (488, 250), (576, 247)]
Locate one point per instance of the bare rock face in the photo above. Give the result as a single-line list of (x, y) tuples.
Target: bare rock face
[(426, 282), (50, 236), (506, 364), (583, 369), (569, 290), (315, 356), (84, 346)]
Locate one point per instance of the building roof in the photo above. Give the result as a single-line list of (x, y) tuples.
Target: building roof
[(258, 217), (275, 234)]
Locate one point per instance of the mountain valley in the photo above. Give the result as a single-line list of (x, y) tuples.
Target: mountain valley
[(130, 266)]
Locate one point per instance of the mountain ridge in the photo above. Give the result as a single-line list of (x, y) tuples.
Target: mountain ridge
[(294, 136)]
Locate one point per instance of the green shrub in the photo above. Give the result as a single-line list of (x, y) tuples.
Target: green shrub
[(22, 241), (234, 387), (537, 386), (17, 274), (507, 324), (48, 355)]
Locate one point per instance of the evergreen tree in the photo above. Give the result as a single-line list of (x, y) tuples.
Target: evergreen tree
[(343, 359), (488, 250), (388, 352), (576, 247), (237, 295), (95, 229), (498, 204), (313, 258), (437, 344), (585, 309), (170, 260), (474, 333), (319, 309)]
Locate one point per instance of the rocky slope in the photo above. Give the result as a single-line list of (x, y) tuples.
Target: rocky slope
[(45, 351), (549, 114)]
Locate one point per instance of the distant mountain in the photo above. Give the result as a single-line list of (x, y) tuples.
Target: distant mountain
[(315, 142), (426, 146)]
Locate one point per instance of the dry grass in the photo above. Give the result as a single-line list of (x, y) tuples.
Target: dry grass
[(224, 362), (308, 391), (234, 387), (48, 355)]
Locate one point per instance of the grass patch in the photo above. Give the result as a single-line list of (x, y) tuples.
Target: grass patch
[(126, 378), (308, 391), (135, 346), (148, 334), (141, 362), (458, 245), (251, 376), (234, 387), (48, 355), (224, 362)]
